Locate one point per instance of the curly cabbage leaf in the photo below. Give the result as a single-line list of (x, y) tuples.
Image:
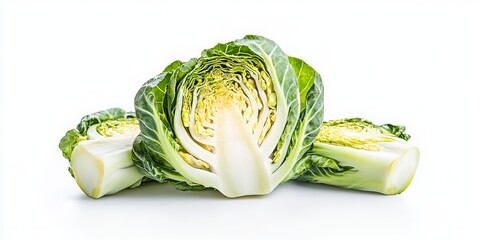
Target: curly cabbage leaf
[(237, 119)]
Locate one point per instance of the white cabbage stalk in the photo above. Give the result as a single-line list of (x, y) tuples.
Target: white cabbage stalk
[(103, 165)]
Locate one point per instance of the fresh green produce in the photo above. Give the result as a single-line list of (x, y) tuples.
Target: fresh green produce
[(237, 119), (99, 152), (355, 153), (242, 118)]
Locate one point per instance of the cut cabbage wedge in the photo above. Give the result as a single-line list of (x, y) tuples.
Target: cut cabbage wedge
[(355, 153), (100, 152)]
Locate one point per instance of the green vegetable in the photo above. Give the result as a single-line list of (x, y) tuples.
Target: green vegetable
[(99, 152), (355, 153), (237, 119), (242, 118)]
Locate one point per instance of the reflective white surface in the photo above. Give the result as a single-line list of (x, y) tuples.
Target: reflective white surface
[(415, 64)]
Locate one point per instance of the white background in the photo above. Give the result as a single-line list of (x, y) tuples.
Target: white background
[(415, 63)]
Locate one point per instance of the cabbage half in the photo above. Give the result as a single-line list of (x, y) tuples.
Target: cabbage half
[(237, 119), (355, 153), (99, 152)]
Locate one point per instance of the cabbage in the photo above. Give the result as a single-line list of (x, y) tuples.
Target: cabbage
[(355, 153), (242, 118), (236, 119), (99, 152)]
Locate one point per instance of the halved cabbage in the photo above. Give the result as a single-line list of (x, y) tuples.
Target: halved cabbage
[(237, 119)]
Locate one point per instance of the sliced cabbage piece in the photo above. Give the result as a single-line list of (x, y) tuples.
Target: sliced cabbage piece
[(355, 153), (99, 152)]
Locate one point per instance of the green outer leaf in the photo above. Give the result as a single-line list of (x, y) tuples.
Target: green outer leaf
[(312, 114), (148, 154), (398, 131), (172, 66), (69, 142), (312, 167), (146, 161), (102, 116), (155, 151), (306, 77)]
